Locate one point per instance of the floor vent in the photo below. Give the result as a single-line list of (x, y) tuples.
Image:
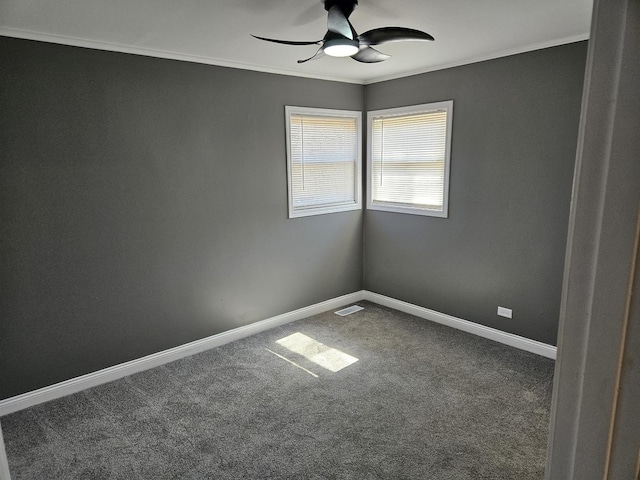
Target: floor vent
[(349, 310)]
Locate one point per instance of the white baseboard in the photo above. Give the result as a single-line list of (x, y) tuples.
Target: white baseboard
[(510, 339), (93, 379), (83, 382)]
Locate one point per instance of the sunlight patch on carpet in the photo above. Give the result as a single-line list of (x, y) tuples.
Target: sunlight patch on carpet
[(327, 357), (292, 362)]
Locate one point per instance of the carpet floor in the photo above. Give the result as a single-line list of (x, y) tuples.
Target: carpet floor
[(378, 394)]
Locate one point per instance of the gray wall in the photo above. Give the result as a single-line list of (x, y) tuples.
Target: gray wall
[(515, 127), (144, 205)]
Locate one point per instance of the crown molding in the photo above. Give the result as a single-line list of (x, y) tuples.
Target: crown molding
[(483, 58), (150, 52)]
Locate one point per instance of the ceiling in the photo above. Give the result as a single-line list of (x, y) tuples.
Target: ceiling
[(218, 31)]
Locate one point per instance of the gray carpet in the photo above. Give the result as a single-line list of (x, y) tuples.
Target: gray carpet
[(423, 401)]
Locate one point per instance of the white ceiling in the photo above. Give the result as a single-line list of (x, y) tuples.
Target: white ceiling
[(217, 31)]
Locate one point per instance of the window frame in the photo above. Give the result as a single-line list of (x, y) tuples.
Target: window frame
[(328, 113), (405, 111)]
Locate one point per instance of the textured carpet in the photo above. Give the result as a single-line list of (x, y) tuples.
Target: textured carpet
[(422, 401)]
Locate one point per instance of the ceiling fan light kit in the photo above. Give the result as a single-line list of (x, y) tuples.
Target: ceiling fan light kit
[(341, 47), (342, 40)]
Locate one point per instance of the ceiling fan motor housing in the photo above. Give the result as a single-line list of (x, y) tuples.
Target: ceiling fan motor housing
[(346, 6)]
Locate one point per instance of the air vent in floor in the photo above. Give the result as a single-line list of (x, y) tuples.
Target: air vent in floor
[(349, 310)]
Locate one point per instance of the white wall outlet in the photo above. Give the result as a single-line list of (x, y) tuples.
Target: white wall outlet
[(505, 312)]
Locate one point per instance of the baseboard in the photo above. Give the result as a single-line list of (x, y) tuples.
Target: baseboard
[(516, 341), (83, 382), (93, 379), (89, 380)]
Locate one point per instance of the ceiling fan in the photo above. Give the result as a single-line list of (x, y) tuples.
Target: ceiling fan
[(341, 39)]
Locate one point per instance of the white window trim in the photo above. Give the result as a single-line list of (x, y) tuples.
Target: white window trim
[(423, 108), (357, 205)]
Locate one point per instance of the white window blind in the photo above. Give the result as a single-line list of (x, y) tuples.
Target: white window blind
[(323, 160), (409, 159)]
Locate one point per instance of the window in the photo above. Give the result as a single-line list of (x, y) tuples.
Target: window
[(323, 160), (408, 159)]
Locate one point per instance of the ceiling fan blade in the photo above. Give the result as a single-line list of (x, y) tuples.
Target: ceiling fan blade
[(319, 54), (338, 23), (370, 55), (378, 36), (287, 42)]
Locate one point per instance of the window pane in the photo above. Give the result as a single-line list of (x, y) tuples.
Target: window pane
[(324, 154), (420, 184), (323, 183), (409, 158)]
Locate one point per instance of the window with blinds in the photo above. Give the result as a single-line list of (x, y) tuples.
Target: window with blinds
[(323, 160), (408, 159)]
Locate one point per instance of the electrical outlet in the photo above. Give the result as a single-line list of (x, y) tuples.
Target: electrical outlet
[(505, 312)]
